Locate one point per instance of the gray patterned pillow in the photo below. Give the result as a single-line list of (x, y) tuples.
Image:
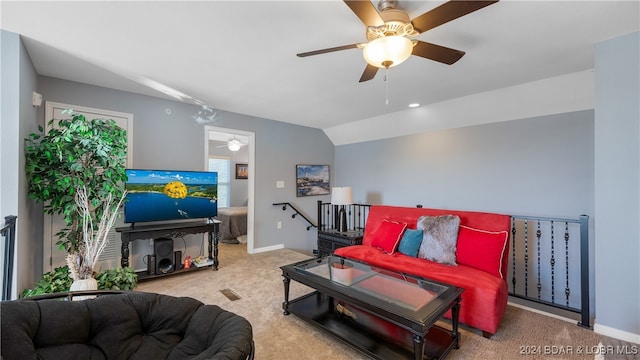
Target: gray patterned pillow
[(440, 236)]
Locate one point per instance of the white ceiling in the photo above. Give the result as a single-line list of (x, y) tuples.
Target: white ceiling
[(239, 56)]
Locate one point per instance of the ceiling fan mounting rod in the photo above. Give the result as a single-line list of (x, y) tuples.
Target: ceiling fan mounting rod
[(396, 22), (387, 4)]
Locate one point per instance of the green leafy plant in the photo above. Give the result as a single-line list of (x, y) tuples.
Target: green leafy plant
[(75, 153), (53, 281), (117, 279), (59, 280)]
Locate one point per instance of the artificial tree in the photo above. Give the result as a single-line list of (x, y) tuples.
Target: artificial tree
[(76, 153)]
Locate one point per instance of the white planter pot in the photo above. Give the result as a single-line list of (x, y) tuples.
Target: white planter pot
[(82, 285), (342, 273)]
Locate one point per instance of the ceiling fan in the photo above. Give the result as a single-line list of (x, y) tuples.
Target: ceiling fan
[(390, 29), (233, 144)]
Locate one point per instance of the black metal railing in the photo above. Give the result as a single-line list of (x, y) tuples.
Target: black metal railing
[(8, 231), (296, 212), (550, 263), (328, 216)]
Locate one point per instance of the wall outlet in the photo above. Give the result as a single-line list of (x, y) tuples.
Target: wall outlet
[(279, 225), (280, 184)]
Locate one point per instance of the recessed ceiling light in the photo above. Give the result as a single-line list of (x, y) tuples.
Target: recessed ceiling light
[(414, 105)]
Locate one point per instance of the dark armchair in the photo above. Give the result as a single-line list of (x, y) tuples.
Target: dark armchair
[(127, 325)]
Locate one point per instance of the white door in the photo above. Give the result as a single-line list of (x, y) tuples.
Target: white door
[(52, 257)]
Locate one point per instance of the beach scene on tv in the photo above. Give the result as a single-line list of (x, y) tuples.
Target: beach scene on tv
[(157, 195)]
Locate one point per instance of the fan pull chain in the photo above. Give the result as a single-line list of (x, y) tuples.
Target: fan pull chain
[(386, 81)]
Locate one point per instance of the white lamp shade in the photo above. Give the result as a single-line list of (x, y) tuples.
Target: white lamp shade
[(341, 196), (388, 51)]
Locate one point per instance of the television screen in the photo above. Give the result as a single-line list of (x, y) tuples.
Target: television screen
[(158, 195)]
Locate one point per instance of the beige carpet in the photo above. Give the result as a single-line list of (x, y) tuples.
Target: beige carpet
[(257, 280)]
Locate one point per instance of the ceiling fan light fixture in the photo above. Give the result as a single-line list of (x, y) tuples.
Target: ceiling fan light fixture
[(387, 51), (234, 145)]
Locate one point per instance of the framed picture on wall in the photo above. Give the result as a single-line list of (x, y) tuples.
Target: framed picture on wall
[(312, 180), (242, 171)]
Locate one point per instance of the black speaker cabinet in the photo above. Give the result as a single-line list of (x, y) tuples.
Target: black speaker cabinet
[(151, 264), (177, 260), (163, 250)]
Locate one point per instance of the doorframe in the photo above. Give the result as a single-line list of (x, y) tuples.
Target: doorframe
[(252, 175)]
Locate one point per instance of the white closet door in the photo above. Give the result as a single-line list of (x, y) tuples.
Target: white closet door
[(52, 257)]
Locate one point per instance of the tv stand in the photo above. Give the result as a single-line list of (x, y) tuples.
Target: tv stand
[(170, 230)]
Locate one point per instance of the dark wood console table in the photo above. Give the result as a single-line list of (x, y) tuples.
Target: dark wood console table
[(331, 239), (169, 230)]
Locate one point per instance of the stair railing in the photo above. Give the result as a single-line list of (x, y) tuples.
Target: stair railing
[(8, 231), (547, 255), (296, 213)]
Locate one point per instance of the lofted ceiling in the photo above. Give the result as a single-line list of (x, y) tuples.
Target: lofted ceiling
[(240, 56)]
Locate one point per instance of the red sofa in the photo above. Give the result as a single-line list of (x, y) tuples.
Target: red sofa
[(483, 236)]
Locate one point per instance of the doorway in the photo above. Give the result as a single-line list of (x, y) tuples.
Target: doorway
[(238, 147)]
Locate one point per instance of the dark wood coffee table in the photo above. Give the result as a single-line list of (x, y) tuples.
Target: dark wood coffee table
[(381, 313)]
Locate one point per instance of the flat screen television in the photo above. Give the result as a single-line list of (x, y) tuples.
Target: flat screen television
[(160, 195)]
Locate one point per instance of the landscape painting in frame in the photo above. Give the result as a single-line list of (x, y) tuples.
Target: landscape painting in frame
[(312, 180)]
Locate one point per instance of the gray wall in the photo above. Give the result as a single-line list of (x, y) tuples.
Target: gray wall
[(176, 141), (18, 120), (239, 187), (539, 166), (617, 163)]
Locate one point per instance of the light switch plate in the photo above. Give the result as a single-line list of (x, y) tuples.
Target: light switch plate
[(280, 184)]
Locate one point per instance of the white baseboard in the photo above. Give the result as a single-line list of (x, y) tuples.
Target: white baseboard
[(267, 248), (598, 329), (616, 333), (559, 317)]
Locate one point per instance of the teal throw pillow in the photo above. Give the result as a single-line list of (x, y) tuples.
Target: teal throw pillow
[(410, 242)]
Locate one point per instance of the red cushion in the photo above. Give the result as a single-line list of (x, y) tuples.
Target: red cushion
[(388, 235), (481, 249)]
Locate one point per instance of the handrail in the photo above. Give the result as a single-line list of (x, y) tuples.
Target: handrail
[(297, 212), (8, 231)]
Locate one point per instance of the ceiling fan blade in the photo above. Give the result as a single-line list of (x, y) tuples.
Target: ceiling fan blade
[(328, 50), (446, 12), (438, 53), (366, 12), (369, 73)]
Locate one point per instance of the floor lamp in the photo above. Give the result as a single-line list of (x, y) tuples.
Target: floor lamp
[(341, 196)]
